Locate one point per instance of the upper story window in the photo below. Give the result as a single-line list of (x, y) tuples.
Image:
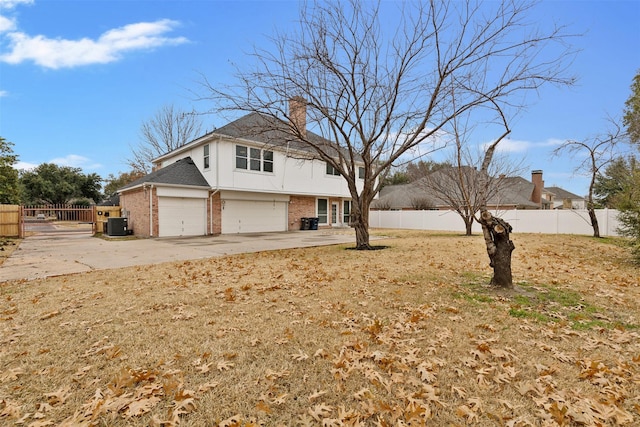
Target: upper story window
[(361, 172), (254, 159), (331, 170), (206, 157)]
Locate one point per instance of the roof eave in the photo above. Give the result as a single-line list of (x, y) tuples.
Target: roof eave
[(185, 147), (163, 184)]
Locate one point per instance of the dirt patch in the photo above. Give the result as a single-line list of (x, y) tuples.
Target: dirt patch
[(327, 336), (7, 247)]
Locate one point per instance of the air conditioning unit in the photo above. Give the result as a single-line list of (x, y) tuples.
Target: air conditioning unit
[(117, 226)]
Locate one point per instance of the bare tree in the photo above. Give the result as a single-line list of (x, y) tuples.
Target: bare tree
[(458, 183), (167, 130), (598, 151), (422, 203), (378, 96)]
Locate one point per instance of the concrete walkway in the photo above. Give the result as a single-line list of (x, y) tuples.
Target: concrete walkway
[(66, 253)]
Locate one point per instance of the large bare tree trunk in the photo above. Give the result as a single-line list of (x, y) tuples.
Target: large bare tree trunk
[(496, 230), (361, 225), (594, 222), (499, 247), (468, 224), (362, 236)]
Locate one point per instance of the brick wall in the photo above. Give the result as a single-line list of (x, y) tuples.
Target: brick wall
[(300, 207), (217, 214), (136, 206)]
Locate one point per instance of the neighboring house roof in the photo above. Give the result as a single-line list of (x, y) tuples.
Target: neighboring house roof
[(562, 194), (111, 201), (514, 192), (183, 172), (403, 196)]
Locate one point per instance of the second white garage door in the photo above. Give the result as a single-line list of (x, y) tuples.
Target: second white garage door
[(182, 216), (252, 216)]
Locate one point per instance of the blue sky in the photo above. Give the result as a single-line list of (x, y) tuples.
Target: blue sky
[(79, 77)]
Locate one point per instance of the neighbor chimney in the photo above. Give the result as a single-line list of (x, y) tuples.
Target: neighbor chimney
[(298, 114), (538, 185)]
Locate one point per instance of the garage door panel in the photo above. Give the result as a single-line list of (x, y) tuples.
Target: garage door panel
[(182, 216), (252, 216)]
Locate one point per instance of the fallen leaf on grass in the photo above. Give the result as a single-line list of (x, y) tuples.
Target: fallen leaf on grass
[(49, 315), (11, 374), (141, 406), (9, 409), (41, 423), (316, 395), (280, 400), (223, 365), (203, 369), (299, 356), (207, 386), (80, 373), (262, 406), (467, 413), (318, 412), (58, 397)]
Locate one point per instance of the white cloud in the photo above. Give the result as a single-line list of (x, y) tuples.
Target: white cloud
[(70, 160), (7, 24), (109, 47), (522, 146), (513, 146), (10, 4), (25, 166), (75, 161), (3, 93)]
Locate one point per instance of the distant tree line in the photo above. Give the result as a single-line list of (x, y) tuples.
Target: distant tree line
[(49, 183)]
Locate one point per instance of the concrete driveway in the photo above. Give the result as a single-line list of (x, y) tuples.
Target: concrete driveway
[(56, 254)]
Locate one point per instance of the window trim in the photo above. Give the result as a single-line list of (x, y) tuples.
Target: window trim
[(346, 211), (326, 212), (242, 158), (206, 157), (330, 170), (253, 159)]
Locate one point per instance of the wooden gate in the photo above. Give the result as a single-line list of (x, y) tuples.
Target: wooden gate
[(58, 218), (10, 221)]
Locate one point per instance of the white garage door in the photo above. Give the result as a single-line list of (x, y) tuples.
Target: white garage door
[(252, 216), (182, 216)]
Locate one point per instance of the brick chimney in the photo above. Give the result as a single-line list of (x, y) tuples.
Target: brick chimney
[(298, 113), (538, 185)]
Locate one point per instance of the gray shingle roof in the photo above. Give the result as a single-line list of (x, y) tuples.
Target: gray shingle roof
[(562, 194), (268, 130), (514, 191), (182, 172), (265, 130)]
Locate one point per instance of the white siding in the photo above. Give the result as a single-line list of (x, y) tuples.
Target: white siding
[(290, 175)]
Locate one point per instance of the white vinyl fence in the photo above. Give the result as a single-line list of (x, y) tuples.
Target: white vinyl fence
[(570, 221)]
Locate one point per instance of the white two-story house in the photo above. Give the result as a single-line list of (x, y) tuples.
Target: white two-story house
[(239, 178)]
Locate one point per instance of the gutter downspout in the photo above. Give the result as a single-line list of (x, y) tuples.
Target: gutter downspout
[(217, 187), (151, 210)]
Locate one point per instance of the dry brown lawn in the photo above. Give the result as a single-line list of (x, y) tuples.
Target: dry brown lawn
[(408, 335)]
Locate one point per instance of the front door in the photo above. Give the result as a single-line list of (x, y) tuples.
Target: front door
[(334, 214)]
